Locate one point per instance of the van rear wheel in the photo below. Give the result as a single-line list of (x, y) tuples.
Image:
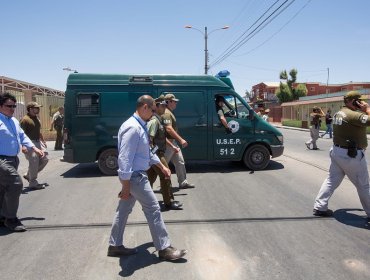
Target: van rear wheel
[(108, 162), (256, 157)]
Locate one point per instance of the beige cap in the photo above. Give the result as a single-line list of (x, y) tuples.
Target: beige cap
[(171, 96), (33, 104), (352, 95), (160, 100)]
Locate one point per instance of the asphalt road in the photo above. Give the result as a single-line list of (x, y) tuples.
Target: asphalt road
[(236, 224)]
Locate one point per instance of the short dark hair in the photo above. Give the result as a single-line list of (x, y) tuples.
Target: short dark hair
[(220, 98), (5, 96), (144, 99)]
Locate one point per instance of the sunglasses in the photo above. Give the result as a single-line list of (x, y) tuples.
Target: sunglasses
[(10, 106)]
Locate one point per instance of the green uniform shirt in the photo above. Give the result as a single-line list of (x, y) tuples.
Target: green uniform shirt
[(350, 125), (31, 126), (157, 132), (220, 113), (169, 119)]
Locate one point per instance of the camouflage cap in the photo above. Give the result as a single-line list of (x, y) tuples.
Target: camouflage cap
[(33, 104), (352, 95), (171, 97), (160, 100), (315, 108)]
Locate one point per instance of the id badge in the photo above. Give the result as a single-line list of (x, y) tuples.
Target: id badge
[(154, 149)]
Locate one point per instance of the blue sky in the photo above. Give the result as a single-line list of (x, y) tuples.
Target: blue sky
[(41, 37)]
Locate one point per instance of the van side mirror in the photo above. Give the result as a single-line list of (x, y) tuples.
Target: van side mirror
[(251, 115)]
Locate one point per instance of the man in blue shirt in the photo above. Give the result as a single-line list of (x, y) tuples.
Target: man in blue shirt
[(134, 159), (11, 138)]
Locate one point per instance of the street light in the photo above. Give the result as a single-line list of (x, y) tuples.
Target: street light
[(206, 34), (69, 70)]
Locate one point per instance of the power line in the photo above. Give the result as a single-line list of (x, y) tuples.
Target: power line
[(241, 36), (255, 31), (273, 35)]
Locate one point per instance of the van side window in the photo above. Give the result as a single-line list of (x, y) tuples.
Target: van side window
[(88, 103), (234, 108)]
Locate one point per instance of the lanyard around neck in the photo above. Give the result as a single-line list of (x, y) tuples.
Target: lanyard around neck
[(144, 127)]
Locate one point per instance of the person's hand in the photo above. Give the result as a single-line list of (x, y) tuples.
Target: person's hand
[(51, 129), (228, 130), (183, 143), (24, 150), (363, 105), (176, 149), (38, 151), (167, 172), (124, 194)]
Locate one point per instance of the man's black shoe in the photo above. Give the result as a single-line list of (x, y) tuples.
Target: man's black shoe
[(327, 213), (175, 205), (117, 251), (14, 225), (38, 187), (171, 254)]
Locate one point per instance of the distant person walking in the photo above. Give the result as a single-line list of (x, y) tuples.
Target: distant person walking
[(347, 154), (315, 116), (265, 115), (57, 123), (134, 158), (11, 138), (31, 125), (329, 125)]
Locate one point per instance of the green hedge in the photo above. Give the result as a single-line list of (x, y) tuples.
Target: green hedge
[(292, 123), (297, 123)]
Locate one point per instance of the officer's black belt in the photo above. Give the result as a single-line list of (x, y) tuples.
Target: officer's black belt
[(345, 147), (10, 157)]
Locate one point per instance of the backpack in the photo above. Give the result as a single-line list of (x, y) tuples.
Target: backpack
[(58, 122)]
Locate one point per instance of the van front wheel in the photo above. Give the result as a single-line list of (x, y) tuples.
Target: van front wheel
[(256, 157), (108, 162)]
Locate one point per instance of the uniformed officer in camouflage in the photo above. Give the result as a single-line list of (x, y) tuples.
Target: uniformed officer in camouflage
[(315, 116), (158, 141), (347, 154), (173, 135)]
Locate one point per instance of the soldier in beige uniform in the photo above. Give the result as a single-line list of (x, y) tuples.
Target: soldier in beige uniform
[(175, 157), (347, 154), (315, 116)]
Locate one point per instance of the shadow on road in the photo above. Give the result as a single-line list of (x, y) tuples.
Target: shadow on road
[(83, 170), (352, 218), (91, 170), (225, 167), (142, 259), (180, 222)]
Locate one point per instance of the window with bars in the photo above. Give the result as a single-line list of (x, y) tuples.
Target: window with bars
[(88, 103)]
